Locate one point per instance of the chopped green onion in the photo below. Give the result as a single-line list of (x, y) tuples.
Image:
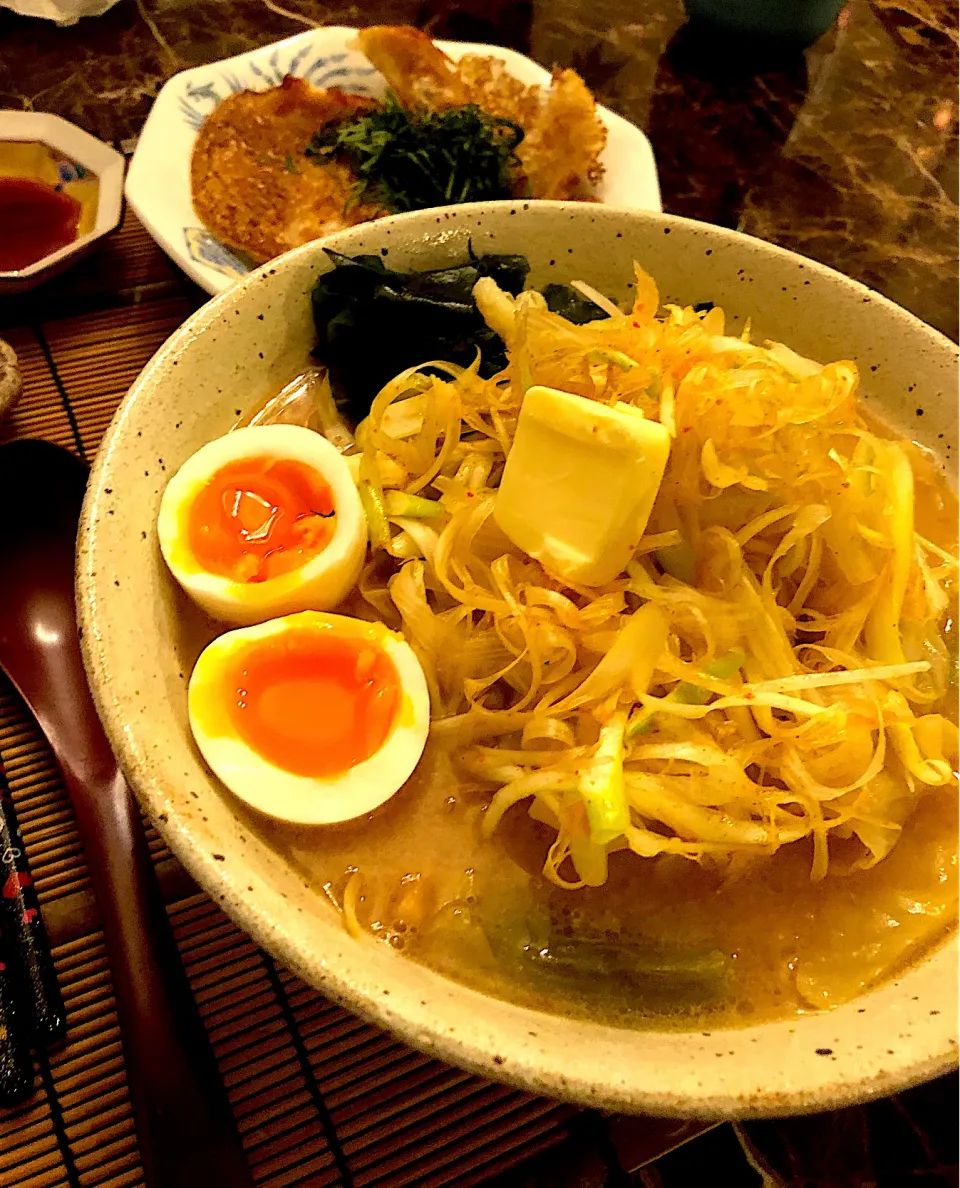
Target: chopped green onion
[(399, 503), (372, 502), (602, 786), (721, 667), (724, 667), (642, 723), (618, 358), (689, 693), (679, 561)]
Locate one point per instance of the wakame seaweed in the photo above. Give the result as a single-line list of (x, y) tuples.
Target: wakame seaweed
[(372, 323), (566, 301)]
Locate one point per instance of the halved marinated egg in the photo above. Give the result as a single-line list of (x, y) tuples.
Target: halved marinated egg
[(311, 718), (265, 521)]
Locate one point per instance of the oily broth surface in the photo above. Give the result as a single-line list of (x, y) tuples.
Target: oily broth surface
[(434, 889), (427, 876)]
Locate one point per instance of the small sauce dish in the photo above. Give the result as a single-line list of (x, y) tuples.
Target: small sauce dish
[(60, 191)]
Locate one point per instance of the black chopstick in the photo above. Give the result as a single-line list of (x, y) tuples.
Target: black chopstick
[(16, 1065), (31, 1007)]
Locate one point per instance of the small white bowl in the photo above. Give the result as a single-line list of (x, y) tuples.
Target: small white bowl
[(81, 149), (158, 182)]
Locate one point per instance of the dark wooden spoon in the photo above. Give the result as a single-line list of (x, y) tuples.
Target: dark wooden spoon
[(184, 1124)]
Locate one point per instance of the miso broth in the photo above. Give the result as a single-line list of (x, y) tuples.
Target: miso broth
[(768, 944)]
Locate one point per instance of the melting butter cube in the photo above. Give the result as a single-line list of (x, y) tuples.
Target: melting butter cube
[(579, 484)]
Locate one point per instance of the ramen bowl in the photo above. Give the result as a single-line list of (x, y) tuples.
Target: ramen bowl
[(245, 345)]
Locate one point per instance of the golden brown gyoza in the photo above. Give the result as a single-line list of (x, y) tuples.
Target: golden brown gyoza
[(253, 187), (564, 137)]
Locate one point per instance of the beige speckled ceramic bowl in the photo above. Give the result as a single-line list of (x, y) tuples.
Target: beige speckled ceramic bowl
[(140, 639)]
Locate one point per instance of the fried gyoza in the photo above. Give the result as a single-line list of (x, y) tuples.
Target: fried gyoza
[(560, 152), (252, 185), (255, 189)]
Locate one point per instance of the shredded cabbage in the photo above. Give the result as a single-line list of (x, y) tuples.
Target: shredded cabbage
[(769, 667)]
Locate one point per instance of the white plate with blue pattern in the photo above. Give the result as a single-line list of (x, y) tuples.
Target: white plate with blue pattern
[(158, 180)]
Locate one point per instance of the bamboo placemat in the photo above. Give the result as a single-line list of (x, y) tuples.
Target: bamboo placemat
[(320, 1098)]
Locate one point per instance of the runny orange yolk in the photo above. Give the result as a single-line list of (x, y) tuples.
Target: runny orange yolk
[(313, 702), (258, 518)]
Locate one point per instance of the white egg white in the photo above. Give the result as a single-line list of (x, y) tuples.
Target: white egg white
[(310, 800), (319, 584)]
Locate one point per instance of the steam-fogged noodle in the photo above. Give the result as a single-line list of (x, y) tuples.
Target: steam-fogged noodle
[(767, 684)]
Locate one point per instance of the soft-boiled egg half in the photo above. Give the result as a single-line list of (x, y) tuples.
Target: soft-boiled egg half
[(311, 718), (265, 521)]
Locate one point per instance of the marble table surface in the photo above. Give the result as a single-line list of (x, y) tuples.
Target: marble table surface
[(846, 153)]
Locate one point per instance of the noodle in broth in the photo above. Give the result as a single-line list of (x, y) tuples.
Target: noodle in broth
[(710, 784)]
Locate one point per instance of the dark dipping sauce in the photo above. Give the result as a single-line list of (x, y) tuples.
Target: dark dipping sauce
[(35, 220)]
